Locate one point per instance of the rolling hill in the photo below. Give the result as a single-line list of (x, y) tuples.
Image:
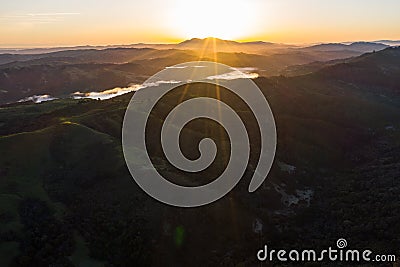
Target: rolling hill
[(62, 73), (335, 172)]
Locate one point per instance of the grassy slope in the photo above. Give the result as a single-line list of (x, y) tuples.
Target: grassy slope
[(30, 156)]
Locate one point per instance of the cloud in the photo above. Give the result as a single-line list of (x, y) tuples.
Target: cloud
[(34, 18), (177, 67), (110, 93), (53, 14), (236, 73), (184, 67), (245, 69), (107, 94), (38, 98)]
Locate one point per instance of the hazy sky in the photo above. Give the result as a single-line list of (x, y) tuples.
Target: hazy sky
[(78, 22)]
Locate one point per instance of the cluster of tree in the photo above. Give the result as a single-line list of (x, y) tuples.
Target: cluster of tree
[(46, 241), (113, 237)]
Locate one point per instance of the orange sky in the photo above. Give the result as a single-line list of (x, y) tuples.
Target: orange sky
[(52, 23)]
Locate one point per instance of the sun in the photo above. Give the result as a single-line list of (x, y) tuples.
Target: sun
[(226, 19)]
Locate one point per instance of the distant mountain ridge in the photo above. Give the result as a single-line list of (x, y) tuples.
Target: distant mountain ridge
[(218, 41), (389, 42), (357, 46), (208, 43)]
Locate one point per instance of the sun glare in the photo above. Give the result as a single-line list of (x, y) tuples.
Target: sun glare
[(226, 19)]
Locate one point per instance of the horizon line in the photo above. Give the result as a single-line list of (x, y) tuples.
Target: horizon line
[(48, 46)]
